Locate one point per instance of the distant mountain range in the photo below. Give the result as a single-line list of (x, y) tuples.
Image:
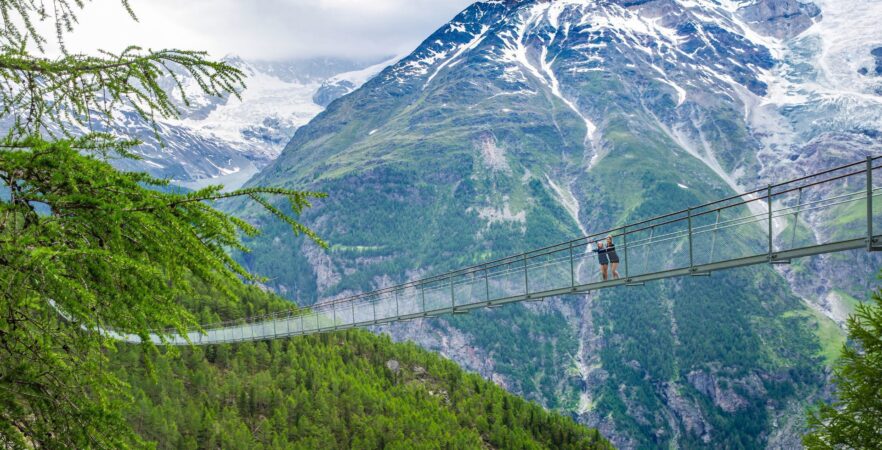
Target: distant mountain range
[(225, 140), (523, 123)]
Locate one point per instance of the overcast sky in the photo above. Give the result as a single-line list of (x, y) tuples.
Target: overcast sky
[(266, 29)]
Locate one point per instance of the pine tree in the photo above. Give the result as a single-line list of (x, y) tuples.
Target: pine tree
[(855, 419), (86, 248)]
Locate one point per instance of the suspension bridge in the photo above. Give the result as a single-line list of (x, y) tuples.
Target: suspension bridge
[(830, 211)]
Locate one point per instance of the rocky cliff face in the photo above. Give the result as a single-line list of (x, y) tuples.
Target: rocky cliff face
[(524, 123), (780, 18)]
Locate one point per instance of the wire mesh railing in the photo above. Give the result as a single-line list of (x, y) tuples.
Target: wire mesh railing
[(828, 211)]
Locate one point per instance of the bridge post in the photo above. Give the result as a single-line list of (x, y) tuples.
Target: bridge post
[(288, 323), (334, 314), (870, 246), (771, 243), (487, 284), (526, 278), (714, 236), (689, 224), (374, 307), (397, 313), (423, 296), (352, 304), (302, 330), (572, 268), (796, 219), (452, 297), (625, 249)]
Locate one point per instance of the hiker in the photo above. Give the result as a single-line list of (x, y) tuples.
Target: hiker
[(612, 256), (601, 257)]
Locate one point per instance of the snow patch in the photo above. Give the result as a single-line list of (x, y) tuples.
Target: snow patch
[(470, 45), (516, 52), (456, 28), (681, 93), (554, 84), (266, 97), (360, 77)]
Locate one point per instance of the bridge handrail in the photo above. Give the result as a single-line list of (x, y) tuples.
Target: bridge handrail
[(627, 229), (565, 245)]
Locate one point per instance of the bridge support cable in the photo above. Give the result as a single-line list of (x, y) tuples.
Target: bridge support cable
[(738, 231)]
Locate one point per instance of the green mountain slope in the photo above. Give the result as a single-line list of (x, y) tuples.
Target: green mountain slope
[(522, 124), (345, 390)]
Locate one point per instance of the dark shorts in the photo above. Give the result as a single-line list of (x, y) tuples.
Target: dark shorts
[(602, 259), (613, 257)]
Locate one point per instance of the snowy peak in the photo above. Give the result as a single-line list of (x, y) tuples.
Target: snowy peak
[(738, 85), (344, 83), (700, 33), (761, 57)]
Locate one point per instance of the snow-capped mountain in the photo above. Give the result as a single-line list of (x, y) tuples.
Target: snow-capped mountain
[(522, 123), (342, 84), (227, 140)]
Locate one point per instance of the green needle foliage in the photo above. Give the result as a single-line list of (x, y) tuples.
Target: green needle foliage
[(49, 95), (855, 419), (85, 248)]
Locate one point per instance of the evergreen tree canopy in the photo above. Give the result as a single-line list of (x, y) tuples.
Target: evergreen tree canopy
[(344, 390), (855, 419), (85, 247), (50, 95)]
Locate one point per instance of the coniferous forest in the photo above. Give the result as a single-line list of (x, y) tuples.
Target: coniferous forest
[(343, 390)]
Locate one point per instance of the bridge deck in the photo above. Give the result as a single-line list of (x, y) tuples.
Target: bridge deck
[(830, 211)]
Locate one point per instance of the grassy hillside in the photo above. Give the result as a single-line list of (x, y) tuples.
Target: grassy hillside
[(343, 390)]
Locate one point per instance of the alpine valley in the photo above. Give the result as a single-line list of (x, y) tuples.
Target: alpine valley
[(522, 123)]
